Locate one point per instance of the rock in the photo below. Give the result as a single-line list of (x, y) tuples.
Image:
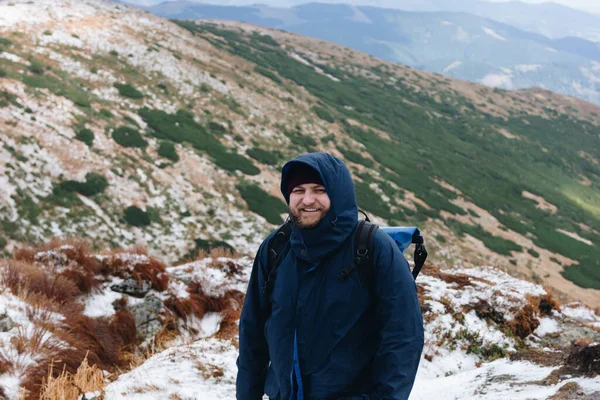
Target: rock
[(147, 315), (6, 323), (132, 287)]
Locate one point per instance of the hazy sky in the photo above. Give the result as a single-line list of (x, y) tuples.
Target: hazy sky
[(587, 5)]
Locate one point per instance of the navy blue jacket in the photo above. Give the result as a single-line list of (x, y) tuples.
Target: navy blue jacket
[(347, 341)]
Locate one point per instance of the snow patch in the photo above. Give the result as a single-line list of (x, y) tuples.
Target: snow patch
[(455, 64), (524, 68), (492, 33), (497, 80)]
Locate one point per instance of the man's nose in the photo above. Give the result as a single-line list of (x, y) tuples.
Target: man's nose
[(308, 198)]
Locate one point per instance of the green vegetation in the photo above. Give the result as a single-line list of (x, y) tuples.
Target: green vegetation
[(135, 216), (357, 158), (86, 136), (3, 242), (67, 89), (324, 114), (181, 127), (94, 184), (5, 42), (494, 243), (126, 90), (208, 245), (269, 157), (167, 150), (368, 199), (268, 73), (129, 137), (28, 208), (533, 253), (35, 67), (7, 98), (262, 203)]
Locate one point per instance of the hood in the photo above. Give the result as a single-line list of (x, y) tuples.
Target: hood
[(315, 243)]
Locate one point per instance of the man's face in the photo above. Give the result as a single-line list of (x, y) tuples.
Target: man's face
[(309, 203)]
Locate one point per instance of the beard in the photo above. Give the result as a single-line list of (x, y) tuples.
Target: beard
[(305, 220)]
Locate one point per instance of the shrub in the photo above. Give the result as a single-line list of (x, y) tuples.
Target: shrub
[(94, 184), (126, 90), (207, 246), (85, 135), (324, 114), (4, 42), (2, 242), (264, 156), (35, 67), (268, 73), (262, 203), (368, 199), (2, 73), (167, 150), (105, 114), (129, 137), (533, 253), (231, 161), (29, 209), (356, 157), (135, 216), (217, 128), (113, 53), (181, 127), (63, 197)]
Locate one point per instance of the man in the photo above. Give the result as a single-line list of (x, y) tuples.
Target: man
[(314, 336)]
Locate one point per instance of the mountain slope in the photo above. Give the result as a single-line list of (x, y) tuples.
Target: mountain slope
[(126, 128), (459, 45)]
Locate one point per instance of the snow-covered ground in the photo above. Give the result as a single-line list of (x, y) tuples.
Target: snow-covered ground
[(206, 368)]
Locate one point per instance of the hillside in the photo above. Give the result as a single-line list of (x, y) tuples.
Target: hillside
[(456, 44), (125, 128)]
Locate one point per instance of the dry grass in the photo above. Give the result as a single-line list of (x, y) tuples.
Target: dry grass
[(67, 386), (143, 269), (218, 252), (548, 303), (525, 321), (72, 353)]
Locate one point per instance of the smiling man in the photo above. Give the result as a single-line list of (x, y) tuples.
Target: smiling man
[(307, 334)]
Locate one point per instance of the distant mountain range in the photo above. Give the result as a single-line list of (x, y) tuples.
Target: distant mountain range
[(455, 44), (548, 19)]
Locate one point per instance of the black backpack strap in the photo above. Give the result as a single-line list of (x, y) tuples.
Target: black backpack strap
[(276, 246), (364, 236), (420, 253)]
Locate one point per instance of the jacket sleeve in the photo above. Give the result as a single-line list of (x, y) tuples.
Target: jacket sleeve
[(253, 358), (400, 323)]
